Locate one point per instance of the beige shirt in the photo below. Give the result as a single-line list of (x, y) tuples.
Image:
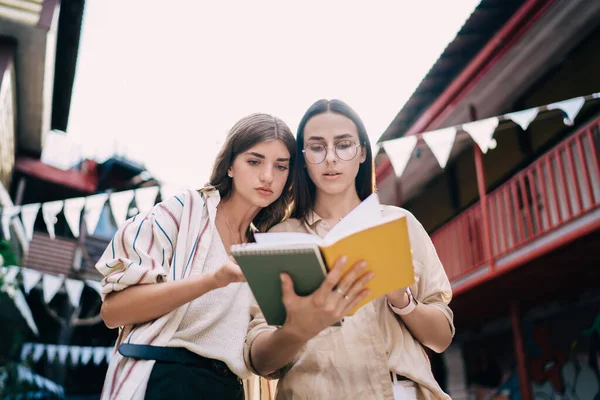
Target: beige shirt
[(354, 361)]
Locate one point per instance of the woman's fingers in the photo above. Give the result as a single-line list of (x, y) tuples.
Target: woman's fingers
[(360, 284), (348, 280), (335, 274), (357, 285), (354, 301)]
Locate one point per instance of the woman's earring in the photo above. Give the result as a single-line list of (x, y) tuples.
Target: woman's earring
[(229, 174)]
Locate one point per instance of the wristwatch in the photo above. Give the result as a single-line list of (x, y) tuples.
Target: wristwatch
[(412, 303)]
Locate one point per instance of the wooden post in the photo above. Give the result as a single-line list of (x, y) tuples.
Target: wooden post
[(481, 186), (520, 351), (398, 190)]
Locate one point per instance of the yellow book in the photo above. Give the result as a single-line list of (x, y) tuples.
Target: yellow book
[(385, 248)]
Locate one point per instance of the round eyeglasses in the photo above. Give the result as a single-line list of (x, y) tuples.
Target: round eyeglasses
[(345, 150)]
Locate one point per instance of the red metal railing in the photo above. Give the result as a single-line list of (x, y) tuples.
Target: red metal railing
[(558, 187)]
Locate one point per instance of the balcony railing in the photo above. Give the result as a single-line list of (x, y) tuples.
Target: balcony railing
[(559, 187)]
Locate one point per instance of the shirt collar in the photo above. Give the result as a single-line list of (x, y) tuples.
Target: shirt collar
[(312, 218)]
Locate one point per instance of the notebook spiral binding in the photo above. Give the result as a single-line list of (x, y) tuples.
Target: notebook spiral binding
[(243, 251)]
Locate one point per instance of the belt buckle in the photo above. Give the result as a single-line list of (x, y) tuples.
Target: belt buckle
[(220, 367)]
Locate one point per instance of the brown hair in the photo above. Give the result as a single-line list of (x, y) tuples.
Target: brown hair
[(303, 185), (246, 133)]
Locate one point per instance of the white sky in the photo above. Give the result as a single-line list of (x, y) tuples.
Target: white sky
[(163, 81)]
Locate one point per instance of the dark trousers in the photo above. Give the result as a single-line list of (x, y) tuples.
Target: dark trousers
[(180, 381)]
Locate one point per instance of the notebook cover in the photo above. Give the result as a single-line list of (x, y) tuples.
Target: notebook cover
[(262, 269)]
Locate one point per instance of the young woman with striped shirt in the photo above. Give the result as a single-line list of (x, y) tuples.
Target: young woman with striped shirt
[(170, 284)]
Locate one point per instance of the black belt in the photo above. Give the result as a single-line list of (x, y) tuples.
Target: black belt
[(175, 355)]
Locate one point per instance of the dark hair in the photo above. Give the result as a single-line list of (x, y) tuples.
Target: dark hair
[(304, 187), (246, 133)]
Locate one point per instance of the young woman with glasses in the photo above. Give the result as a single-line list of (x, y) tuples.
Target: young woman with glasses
[(378, 352)]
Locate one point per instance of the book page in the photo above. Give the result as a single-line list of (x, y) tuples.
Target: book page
[(365, 215), (286, 238)]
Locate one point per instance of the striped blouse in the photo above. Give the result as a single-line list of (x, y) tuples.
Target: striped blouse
[(160, 245)]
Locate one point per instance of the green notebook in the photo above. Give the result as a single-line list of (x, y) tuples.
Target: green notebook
[(262, 268)]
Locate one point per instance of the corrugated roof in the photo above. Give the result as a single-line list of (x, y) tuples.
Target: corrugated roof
[(482, 25), (57, 256)]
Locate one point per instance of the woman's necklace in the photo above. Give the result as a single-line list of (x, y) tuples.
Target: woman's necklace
[(231, 230)]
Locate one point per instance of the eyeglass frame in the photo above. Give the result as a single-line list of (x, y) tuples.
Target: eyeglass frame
[(356, 145)]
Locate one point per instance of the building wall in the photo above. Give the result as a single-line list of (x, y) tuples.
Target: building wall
[(572, 77), (562, 350)]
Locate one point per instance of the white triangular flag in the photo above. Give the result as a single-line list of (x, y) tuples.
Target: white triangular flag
[(63, 352), (38, 351), (482, 132), (75, 353), (23, 307), (8, 213), (109, 353), (99, 355), (95, 285), (86, 354), (50, 211), (11, 274), (26, 350), (399, 151), (93, 208), (51, 352), (570, 107), (29, 213), (523, 118), (119, 203), (145, 198), (30, 279), (51, 285), (374, 149), (74, 288), (441, 142), (23, 373), (73, 209)]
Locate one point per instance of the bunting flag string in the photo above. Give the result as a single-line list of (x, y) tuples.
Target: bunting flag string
[(51, 284), (441, 142), (26, 375), (61, 353), (90, 208)]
